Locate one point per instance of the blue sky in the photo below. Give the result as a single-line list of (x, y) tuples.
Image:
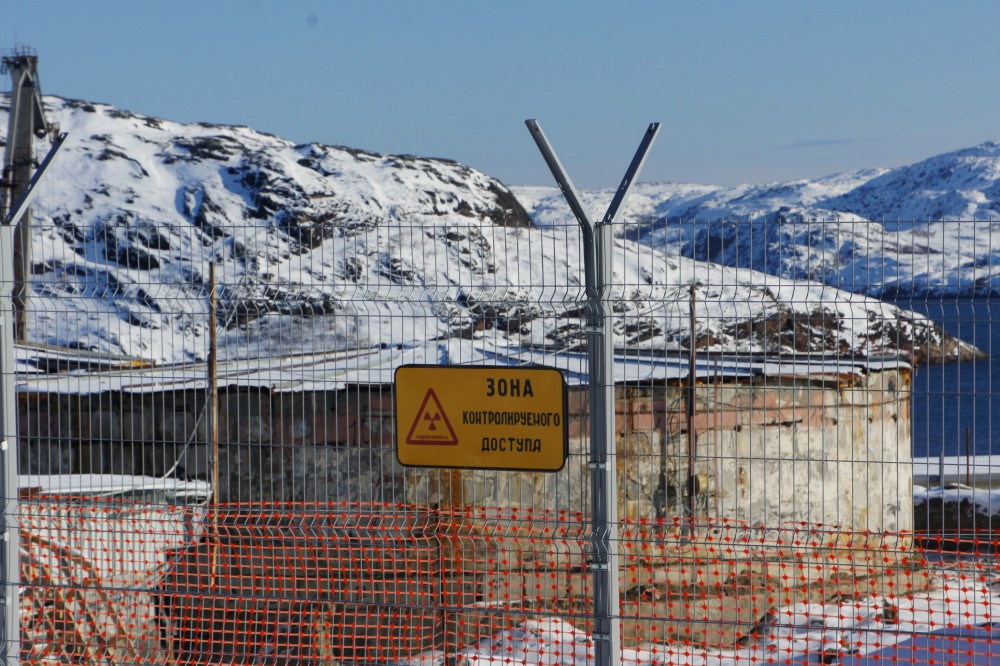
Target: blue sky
[(746, 91)]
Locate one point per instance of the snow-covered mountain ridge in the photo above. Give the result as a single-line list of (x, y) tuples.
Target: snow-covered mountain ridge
[(924, 229), (392, 249)]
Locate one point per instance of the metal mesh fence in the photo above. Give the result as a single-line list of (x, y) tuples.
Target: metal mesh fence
[(800, 478)]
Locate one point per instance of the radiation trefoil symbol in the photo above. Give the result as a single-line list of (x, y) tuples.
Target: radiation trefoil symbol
[(431, 426)]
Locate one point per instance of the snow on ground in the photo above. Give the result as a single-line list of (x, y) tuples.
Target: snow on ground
[(800, 633)]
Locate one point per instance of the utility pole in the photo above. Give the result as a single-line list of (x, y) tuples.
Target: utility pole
[(597, 263), (25, 123)]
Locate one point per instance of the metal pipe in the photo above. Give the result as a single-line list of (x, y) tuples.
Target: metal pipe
[(941, 468), (573, 199), (690, 413), (212, 368), (968, 455), (631, 173)]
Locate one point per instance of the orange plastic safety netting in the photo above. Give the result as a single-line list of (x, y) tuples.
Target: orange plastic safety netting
[(124, 582)]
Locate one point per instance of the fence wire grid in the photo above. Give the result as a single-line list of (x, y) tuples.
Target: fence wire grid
[(207, 465)]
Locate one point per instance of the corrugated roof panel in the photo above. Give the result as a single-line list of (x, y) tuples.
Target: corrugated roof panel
[(336, 370)]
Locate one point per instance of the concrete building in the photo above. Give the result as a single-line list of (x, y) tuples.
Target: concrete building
[(823, 441)]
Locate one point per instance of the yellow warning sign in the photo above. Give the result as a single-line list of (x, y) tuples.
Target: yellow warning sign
[(480, 417)]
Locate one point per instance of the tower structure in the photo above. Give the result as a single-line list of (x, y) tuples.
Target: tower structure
[(26, 123)]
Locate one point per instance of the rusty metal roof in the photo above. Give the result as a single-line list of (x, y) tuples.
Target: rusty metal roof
[(376, 366)]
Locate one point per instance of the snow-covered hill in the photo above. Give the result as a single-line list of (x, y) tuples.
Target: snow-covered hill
[(394, 249), (918, 230)]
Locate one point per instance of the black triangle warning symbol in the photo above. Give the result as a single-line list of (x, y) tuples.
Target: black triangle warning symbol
[(431, 425)]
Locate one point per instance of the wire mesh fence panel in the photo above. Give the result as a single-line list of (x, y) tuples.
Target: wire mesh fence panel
[(209, 428), (805, 471)]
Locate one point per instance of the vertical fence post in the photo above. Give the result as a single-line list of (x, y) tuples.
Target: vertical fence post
[(603, 454), (10, 566), (598, 241), (212, 402)]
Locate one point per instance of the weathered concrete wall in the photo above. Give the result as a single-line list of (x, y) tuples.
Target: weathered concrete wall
[(817, 455), (772, 451), (638, 466)]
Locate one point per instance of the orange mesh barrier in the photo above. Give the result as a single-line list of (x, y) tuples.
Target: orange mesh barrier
[(116, 582), (333, 582)]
